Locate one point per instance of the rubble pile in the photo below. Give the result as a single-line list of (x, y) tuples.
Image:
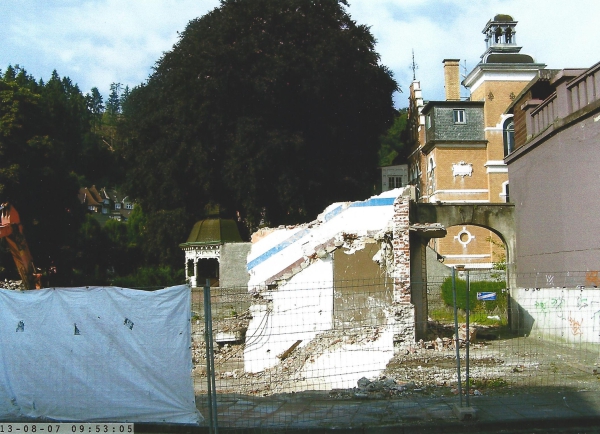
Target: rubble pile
[(429, 366), (381, 388), (223, 353), (11, 284)]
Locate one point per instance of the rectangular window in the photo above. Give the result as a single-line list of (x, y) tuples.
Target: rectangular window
[(459, 116), (394, 182), (428, 121), (117, 205)]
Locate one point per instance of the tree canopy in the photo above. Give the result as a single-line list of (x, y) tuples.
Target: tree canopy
[(394, 147), (272, 106), (47, 150)]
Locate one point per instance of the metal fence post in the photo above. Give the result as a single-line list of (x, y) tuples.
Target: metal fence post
[(210, 362), (468, 341), (457, 338)]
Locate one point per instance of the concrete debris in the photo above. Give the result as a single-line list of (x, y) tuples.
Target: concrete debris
[(429, 230), (12, 284), (427, 367)]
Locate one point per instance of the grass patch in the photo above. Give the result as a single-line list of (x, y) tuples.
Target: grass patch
[(446, 316), (500, 304), (486, 383)]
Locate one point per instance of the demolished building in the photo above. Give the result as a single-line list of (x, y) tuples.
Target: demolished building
[(348, 269)]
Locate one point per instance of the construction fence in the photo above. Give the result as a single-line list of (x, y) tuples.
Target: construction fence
[(341, 341)]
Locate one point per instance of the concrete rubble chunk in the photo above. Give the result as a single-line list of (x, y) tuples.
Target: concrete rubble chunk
[(363, 382)]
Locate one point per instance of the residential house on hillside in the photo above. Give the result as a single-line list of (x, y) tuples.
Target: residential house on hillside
[(395, 176), (106, 203)]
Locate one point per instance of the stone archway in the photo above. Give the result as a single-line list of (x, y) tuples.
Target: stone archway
[(498, 218)]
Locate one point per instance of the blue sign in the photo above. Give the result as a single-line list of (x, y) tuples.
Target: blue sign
[(486, 296)]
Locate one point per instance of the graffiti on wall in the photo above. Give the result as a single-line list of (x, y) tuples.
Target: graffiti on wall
[(575, 326), (569, 312)]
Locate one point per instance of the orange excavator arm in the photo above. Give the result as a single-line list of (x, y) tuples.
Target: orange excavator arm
[(11, 229)]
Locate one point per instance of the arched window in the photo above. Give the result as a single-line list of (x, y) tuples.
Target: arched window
[(505, 192), (498, 36), (509, 136), (431, 176)]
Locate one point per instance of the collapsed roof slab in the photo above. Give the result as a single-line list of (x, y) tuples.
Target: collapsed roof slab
[(281, 252)]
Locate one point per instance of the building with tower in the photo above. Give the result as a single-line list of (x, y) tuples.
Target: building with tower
[(459, 144)]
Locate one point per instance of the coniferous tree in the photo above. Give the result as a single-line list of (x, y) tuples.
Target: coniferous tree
[(47, 147), (96, 107)]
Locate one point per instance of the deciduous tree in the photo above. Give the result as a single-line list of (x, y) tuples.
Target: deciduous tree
[(261, 104)]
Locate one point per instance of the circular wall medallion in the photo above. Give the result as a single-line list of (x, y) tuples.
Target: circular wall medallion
[(464, 237)]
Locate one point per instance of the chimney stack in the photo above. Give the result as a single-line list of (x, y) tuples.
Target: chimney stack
[(452, 79)]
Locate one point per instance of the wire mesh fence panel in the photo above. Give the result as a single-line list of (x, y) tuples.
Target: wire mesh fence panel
[(282, 350)]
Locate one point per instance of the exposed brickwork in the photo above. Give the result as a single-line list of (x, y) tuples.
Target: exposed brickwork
[(404, 333), (401, 246), (452, 79)]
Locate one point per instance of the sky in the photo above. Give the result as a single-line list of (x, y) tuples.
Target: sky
[(99, 42)]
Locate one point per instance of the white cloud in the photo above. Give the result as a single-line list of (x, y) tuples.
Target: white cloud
[(97, 42)]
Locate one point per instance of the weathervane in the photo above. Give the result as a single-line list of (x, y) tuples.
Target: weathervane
[(414, 66), (464, 73)]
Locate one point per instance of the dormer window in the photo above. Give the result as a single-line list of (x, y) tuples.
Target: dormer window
[(458, 116)]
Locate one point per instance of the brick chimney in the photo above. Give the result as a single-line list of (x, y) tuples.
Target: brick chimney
[(452, 79)]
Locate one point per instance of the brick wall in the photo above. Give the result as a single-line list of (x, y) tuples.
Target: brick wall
[(404, 332)]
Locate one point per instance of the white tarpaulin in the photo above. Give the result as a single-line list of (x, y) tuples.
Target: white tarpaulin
[(97, 354)]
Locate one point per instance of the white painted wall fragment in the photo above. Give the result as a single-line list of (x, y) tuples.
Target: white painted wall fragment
[(292, 269), (298, 310)]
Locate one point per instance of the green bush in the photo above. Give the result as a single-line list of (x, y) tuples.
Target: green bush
[(151, 277), (474, 288)]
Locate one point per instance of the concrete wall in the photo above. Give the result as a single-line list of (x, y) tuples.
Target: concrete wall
[(232, 266), (554, 185), (298, 310), (567, 314), (362, 294), (349, 270)]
